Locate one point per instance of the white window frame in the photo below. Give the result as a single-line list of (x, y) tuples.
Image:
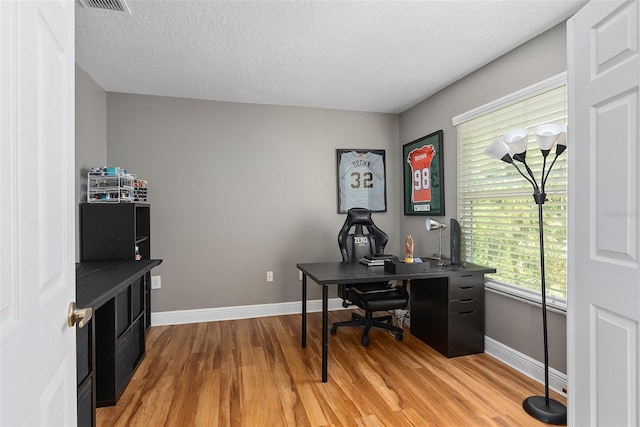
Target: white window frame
[(514, 291)]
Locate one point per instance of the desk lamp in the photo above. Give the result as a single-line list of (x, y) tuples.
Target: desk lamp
[(510, 148), (432, 224)]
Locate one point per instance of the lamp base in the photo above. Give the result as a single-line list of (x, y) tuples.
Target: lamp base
[(553, 413)]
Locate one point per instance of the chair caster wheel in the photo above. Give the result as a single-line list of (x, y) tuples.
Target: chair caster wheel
[(344, 304), (365, 341), (334, 330), (399, 336)]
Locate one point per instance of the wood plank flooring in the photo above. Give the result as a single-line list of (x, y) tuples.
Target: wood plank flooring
[(254, 372)]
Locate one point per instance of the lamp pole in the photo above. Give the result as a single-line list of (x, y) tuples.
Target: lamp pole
[(544, 408), (541, 408)]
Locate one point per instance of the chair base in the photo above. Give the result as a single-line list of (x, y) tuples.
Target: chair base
[(368, 321)]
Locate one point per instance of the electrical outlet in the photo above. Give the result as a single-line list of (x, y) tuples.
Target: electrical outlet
[(156, 282), (269, 276)]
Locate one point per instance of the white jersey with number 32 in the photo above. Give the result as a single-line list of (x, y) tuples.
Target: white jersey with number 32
[(361, 177)]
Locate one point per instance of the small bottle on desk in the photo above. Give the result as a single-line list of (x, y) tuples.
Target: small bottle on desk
[(408, 249)]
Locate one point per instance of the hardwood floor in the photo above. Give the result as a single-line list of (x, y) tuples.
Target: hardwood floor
[(253, 372)]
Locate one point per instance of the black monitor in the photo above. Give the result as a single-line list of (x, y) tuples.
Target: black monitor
[(456, 242)]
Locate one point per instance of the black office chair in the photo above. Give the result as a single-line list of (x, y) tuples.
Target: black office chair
[(371, 297)]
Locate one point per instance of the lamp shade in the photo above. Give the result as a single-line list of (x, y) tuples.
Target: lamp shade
[(517, 140), (547, 135), (434, 224), (562, 141), (498, 150)]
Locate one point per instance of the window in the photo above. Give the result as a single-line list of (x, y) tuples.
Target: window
[(497, 213)]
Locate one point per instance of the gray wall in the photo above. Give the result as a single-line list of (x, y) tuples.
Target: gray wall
[(239, 189), (513, 323), (91, 135)]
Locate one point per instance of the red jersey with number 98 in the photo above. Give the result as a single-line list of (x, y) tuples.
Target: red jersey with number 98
[(420, 162)]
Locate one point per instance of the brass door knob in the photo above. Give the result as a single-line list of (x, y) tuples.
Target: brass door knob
[(81, 316)]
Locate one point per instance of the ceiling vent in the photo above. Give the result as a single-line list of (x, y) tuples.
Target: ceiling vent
[(112, 5)]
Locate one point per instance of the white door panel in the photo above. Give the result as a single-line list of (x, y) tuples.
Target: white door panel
[(38, 364), (604, 192)]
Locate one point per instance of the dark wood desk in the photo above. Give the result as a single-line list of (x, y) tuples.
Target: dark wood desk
[(334, 273), (111, 347), (99, 281)]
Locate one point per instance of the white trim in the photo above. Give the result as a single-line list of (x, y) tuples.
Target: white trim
[(573, 235), (529, 297), (525, 364), (533, 90), (180, 317)]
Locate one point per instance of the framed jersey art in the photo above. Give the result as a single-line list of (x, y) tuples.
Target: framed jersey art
[(361, 180), (424, 176)]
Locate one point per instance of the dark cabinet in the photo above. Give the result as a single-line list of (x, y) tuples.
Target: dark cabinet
[(115, 279), (111, 231), (448, 313), (120, 327), (85, 369), (117, 231)]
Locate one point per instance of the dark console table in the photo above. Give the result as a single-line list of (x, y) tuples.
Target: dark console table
[(447, 303), (110, 349)]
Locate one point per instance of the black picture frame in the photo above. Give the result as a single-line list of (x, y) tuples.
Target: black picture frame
[(423, 166), (361, 179)]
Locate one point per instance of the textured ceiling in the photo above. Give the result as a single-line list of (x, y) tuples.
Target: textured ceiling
[(381, 56)]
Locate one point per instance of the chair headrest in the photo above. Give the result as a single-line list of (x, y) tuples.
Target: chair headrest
[(376, 239), (359, 216)]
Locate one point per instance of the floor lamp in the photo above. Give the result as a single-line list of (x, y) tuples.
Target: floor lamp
[(513, 146)]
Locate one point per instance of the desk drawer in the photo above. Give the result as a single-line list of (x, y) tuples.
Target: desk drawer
[(460, 291), (466, 306), (466, 333), (467, 279)]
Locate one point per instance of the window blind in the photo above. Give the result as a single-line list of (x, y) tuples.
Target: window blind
[(497, 213)]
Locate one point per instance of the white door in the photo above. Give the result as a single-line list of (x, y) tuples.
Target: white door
[(37, 347), (604, 190)]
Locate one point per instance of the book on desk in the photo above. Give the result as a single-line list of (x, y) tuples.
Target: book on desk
[(375, 259)]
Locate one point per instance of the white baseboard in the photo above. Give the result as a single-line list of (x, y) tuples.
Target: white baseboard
[(180, 317), (519, 361), (525, 364)]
